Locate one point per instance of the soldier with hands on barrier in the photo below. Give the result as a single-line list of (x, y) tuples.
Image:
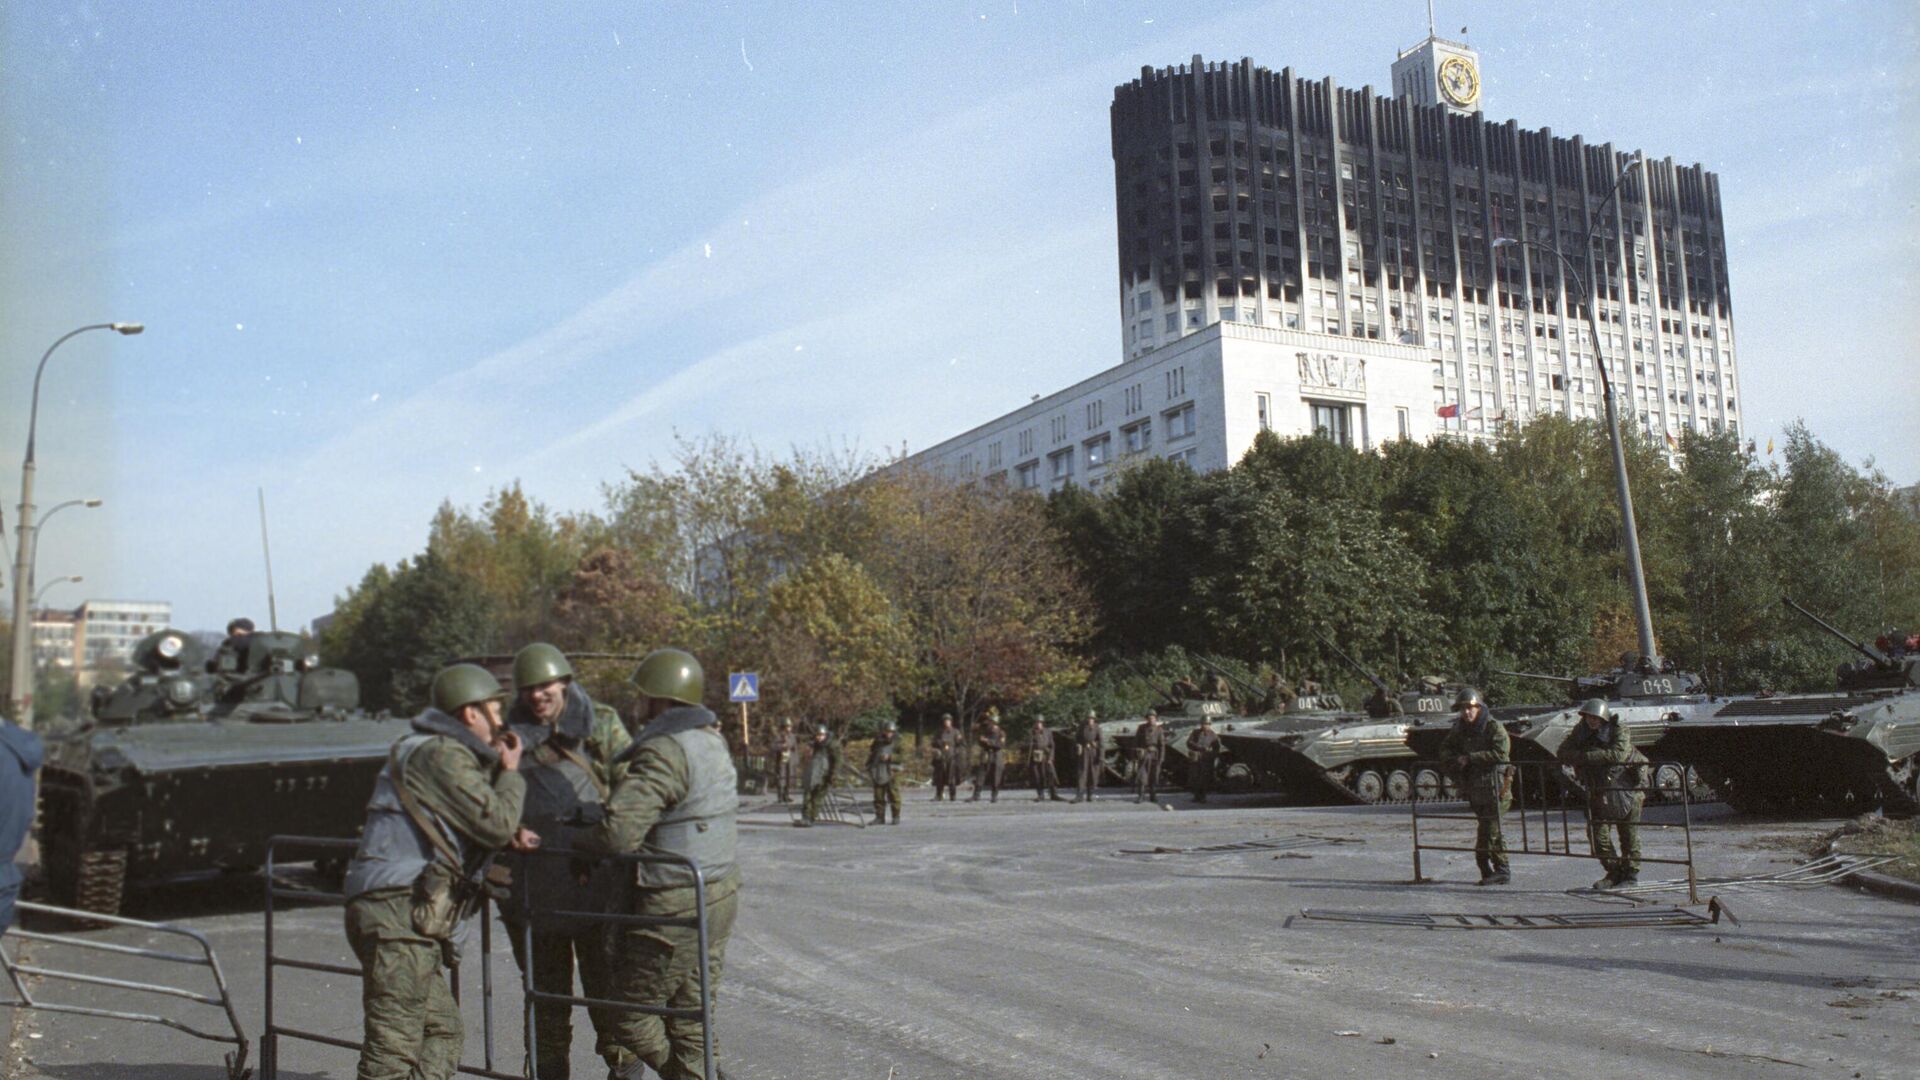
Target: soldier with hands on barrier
[(448, 798), (676, 792), (1607, 765), (1478, 752), (823, 763), (569, 745)]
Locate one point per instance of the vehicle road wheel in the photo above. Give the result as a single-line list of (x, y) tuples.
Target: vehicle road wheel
[(1668, 782), (1399, 785), (1449, 787), (1368, 786), (1428, 783)]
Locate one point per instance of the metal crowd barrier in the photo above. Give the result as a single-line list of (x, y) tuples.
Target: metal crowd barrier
[(236, 1061), (272, 1031), (1544, 794)]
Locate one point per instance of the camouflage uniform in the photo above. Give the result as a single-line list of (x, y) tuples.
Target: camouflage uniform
[(948, 752), (884, 772), (1149, 750), (1604, 759), (1046, 782), (1203, 750), (412, 1026), (993, 758), (1087, 739), (675, 791), (821, 767), (565, 765), (785, 754), (1486, 747)]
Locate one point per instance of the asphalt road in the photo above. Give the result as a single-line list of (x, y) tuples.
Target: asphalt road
[(1014, 941)]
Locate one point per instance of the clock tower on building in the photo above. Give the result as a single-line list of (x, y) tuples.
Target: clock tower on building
[(1439, 72)]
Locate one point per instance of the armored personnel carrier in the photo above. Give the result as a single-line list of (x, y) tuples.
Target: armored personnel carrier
[(1844, 752), (192, 763)]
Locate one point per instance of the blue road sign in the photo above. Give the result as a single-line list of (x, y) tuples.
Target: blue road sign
[(743, 686)]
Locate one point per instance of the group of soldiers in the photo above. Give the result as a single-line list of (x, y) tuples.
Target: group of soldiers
[(986, 766), (1601, 753), (535, 807)]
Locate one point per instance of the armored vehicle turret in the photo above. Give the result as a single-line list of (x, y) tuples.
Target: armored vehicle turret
[(193, 761), (1843, 752)]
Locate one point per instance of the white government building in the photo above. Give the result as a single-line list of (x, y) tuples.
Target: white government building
[(1299, 257)]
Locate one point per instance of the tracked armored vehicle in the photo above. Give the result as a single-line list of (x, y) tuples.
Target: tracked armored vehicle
[(1849, 751), (192, 763)]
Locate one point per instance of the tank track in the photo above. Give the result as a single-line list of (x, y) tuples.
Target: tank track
[(101, 881)]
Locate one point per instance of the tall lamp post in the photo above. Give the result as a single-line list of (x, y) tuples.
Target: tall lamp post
[(20, 698), (1636, 574), (71, 579)]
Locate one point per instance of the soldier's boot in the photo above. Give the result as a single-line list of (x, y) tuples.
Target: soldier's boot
[(1486, 869), (1607, 882), (896, 815), (1501, 876)]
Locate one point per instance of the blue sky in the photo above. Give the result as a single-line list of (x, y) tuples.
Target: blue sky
[(395, 254)]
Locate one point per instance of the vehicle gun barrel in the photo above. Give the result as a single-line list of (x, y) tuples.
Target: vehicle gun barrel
[(1860, 647), (1534, 675), (1378, 683), (1215, 667)]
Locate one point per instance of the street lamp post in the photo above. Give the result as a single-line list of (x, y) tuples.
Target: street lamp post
[(71, 579), (20, 697), (1636, 574)]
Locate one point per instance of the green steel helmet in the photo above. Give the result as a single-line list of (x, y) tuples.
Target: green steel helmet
[(461, 685), (672, 674), (890, 727), (1594, 706), (1468, 696), (539, 663)]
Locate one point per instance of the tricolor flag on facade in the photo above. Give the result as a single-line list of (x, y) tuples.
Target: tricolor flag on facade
[(1454, 410)]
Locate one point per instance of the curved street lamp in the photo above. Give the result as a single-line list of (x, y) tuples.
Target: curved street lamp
[(1636, 574), (20, 697), (71, 579)]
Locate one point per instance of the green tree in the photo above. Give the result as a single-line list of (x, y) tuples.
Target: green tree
[(416, 619), (835, 647)]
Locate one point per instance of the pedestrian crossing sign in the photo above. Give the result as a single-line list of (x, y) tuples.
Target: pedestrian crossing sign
[(743, 686)]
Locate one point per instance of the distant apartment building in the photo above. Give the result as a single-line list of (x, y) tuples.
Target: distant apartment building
[(56, 639), (1300, 249), (109, 629)]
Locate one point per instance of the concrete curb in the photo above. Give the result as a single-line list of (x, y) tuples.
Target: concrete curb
[(1885, 886)]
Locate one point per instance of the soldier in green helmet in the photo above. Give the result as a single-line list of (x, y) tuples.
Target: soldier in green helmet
[(1607, 765), (883, 769), (449, 797), (823, 762), (570, 745), (675, 791), (1477, 751)]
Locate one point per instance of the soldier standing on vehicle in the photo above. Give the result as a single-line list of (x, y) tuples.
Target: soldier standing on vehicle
[(1203, 752), (1149, 750), (447, 799), (675, 793), (1476, 751), (993, 752), (884, 771), (569, 744), (949, 749), (785, 747), (823, 762), (1046, 781), (1607, 765), (1087, 740)]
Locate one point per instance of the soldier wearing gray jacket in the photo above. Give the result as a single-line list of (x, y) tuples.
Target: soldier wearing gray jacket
[(448, 797), (1087, 741), (884, 773), (1046, 782)]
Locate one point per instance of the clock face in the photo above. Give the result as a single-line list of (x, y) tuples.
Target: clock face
[(1459, 83)]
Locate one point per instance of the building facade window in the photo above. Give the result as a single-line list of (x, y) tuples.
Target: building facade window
[(1027, 475), (1099, 451), (1060, 467), (1332, 422), (1184, 457), (1404, 418), (1180, 423), (1263, 410), (1139, 437)]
